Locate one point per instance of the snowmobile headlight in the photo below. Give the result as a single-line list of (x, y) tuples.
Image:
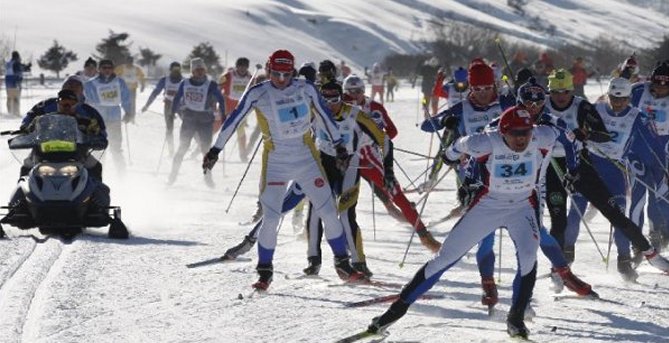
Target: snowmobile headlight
[(45, 170), (68, 170)]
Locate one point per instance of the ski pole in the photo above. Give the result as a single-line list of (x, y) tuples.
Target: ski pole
[(127, 142), (499, 261), (404, 172), (506, 62), (248, 166), (608, 252), (412, 153), (373, 212), (160, 158)]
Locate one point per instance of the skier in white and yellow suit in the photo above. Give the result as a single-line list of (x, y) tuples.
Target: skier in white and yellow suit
[(285, 108)]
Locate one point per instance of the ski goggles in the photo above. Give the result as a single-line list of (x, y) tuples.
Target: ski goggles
[(533, 104), (560, 91), (355, 91), (332, 99)]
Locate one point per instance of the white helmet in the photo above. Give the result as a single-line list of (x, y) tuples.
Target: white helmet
[(353, 82), (620, 87)]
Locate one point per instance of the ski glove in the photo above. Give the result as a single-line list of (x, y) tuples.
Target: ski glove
[(210, 159), (569, 181), (450, 122), (342, 158), (468, 192)]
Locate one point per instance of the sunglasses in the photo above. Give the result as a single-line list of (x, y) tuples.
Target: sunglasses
[(355, 91), (535, 104), (482, 88), (332, 99), (281, 74), (560, 91)]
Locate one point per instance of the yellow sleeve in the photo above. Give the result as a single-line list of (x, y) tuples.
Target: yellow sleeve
[(370, 126)]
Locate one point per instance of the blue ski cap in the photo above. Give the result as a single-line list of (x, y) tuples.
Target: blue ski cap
[(531, 92), (460, 75)]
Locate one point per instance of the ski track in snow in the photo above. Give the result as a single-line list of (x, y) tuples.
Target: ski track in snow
[(101, 290)]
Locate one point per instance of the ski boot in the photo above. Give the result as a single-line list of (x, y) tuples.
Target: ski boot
[(626, 270), (314, 266), (240, 249), (515, 325), (489, 296), (362, 267), (345, 270), (572, 282), (656, 260), (394, 313), (265, 271)]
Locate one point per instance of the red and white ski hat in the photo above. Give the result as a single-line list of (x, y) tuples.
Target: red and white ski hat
[(282, 60), (515, 119), (480, 74)]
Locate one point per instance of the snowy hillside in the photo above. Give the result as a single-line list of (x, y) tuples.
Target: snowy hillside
[(98, 290), (360, 32)]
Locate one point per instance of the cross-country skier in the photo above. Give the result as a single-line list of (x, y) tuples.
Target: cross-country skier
[(377, 169), (168, 84), (628, 134), (232, 84), (355, 127), (513, 158), (108, 94), (134, 77), (195, 101), (285, 108), (652, 98)]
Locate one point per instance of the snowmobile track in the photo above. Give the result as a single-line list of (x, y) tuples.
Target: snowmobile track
[(20, 290)]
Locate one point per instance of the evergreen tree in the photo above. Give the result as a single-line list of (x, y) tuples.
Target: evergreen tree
[(114, 48), (207, 53), (148, 59), (658, 53), (56, 58)]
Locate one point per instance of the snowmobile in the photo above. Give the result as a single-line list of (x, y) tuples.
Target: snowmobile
[(57, 195)]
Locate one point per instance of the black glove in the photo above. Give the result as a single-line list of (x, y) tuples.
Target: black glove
[(467, 192), (450, 122), (342, 159), (210, 159), (569, 181), (129, 118)]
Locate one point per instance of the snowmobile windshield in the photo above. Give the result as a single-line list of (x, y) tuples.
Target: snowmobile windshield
[(51, 133)]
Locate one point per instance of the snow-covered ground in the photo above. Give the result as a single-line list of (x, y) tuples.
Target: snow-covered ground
[(139, 290)]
